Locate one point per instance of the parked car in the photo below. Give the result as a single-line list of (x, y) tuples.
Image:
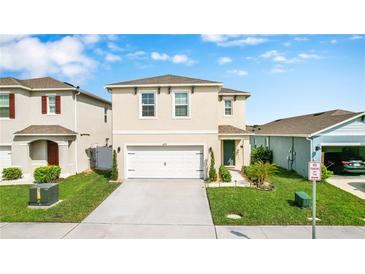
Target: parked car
[(353, 166)]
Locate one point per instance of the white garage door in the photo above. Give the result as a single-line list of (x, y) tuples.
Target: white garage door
[(165, 162), (5, 156)]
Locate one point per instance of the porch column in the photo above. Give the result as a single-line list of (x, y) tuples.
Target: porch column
[(63, 158), (246, 152)]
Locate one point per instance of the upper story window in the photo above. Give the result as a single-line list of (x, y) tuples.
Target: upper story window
[(51, 104), (148, 105), (228, 107), (105, 115), (4, 106), (181, 104)]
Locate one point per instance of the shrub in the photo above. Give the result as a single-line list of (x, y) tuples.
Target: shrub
[(224, 174), (326, 173), (46, 174), (261, 154), (12, 173), (114, 174), (259, 172), (212, 171)]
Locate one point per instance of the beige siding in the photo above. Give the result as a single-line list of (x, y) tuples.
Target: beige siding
[(203, 101), (91, 128), (238, 118)]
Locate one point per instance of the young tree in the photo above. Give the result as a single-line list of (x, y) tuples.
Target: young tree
[(212, 171), (114, 174)]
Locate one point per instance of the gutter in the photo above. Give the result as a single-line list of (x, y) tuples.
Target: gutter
[(75, 129)]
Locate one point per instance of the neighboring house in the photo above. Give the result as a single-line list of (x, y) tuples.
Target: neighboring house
[(320, 137), (164, 126), (47, 122)]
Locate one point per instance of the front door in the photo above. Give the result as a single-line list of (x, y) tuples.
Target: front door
[(228, 153), (52, 151)]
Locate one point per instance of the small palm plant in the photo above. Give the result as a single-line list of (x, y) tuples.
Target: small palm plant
[(259, 172)]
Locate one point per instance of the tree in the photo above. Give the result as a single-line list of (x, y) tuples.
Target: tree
[(114, 174), (212, 171)]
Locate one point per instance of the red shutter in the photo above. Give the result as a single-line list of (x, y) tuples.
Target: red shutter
[(44, 104), (58, 104), (12, 106)]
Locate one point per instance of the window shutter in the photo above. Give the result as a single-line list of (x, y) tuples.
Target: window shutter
[(58, 104), (12, 106), (44, 104)]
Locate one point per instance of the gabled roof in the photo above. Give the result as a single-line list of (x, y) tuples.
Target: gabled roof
[(229, 91), (44, 83), (305, 125), (230, 130), (167, 79), (45, 130)]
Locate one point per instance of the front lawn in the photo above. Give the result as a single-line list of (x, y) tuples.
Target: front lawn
[(334, 206), (80, 193)]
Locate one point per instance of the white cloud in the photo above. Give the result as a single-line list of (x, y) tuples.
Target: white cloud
[(8, 38), (176, 59), (159, 56), (232, 40), (90, 38), (224, 60), (33, 58), (356, 37), (243, 42), (270, 54), (287, 44), (216, 37), (283, 59), (333, 41), (112, 57), (238, 72), (136, 55), (300, 39), (182, 59), (114, 47), (277, 69), (309, 56)]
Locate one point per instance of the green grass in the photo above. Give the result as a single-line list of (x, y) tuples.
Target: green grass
[(80, 195), (334, 206)]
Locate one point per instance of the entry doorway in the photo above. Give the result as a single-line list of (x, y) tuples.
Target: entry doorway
[(52, 153), (229, 153)]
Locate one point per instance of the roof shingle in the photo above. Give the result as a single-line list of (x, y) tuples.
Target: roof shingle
[(45, 129), (228, 129), (305, 124), (165, 79)]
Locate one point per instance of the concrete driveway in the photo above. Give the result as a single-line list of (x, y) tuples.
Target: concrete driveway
[(151, 209), (354, 184)]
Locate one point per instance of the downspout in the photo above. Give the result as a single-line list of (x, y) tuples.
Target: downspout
[(76, 147)]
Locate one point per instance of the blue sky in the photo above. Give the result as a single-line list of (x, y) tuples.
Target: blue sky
[(287, 74)]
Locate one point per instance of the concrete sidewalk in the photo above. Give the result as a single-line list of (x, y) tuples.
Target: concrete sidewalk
[(183, 231)]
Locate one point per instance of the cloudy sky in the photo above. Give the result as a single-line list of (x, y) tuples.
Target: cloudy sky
[(286, 74)]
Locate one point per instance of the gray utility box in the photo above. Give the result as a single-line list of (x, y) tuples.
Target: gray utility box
[(43, 194), (302, 199)]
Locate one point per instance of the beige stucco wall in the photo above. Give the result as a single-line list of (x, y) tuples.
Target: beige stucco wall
[(204, 101), (91, 128), (238, 119), (22, 114)]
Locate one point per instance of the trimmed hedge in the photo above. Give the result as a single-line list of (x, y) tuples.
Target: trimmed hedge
[(46, 174), (224, 174), (212, 171), (12, 173)]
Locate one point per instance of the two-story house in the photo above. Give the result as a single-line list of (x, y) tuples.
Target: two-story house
[(47, 122), (164, 126)]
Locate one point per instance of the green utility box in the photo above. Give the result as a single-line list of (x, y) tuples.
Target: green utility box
[(302, 199), (43, 194)]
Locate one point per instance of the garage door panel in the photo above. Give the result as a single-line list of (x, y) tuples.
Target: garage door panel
[(5, 156), (165, 162)]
